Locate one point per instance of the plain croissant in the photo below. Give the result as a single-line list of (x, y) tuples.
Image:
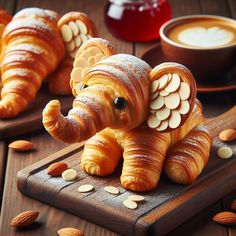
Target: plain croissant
[(31, 49), (151, 117)]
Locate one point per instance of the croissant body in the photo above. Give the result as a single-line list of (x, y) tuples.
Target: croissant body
[(31, 49)]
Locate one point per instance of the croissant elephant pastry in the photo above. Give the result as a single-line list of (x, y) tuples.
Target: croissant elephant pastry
[(31, 49), (123, 108)]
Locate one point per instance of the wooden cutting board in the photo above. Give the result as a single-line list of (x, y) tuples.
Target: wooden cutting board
[(165, 208), (31, 119)]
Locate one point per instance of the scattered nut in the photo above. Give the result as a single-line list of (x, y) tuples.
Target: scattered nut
[(21, 145), (56, 169), (227, 135), (136, 198), (69, 175), (69, 232), (225, 218), (24, 219), (224, 152), (233, 205), (130, 204), (112, 190), (85, 188)]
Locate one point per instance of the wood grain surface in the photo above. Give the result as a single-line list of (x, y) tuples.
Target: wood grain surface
[(52, 219)]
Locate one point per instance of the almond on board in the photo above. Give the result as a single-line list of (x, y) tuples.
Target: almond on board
[(24, 219), (21, 145)]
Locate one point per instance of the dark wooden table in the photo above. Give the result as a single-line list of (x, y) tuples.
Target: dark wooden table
[(52, 219)]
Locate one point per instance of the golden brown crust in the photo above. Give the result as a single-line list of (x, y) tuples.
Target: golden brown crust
[(32, 48), (59, 80), (101, 154), (189, 156), (144, 155)]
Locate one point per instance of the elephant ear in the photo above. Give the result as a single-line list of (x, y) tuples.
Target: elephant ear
[(76, 28), (91, 52), (172, 96)]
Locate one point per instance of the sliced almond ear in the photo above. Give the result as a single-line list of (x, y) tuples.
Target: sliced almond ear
[(91, 52), (177, 90)]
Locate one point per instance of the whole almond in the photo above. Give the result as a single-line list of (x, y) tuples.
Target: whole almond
[(227, 135), (24, 219), (21, 145), (69, 232), (56, 169), (225, 218), (233, 205)]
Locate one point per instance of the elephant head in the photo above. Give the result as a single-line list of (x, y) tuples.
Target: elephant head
[(120, 91)]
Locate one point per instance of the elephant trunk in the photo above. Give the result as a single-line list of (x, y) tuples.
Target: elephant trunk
[(82, 122)]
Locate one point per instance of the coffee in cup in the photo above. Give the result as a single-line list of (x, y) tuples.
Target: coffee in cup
[(205, 44)]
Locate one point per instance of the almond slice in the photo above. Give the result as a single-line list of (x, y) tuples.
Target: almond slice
[(184, 91), (83, 38), (172, 101), (74, 28), (154, 95), (91, 61), (184, 107), (82, 26), (174, 83), (136, 198), (154, 86), (153, 122), (69, 232), (164, 93), (84, 71), (157, 103), (112, 190), (163, 126), (163, 113), (80, 62), (225, 152), (66, 33), (70, 47), (21, 145), (69, 175), (175, 119), (130, 204), (85, 188), (163, 81), (72, 54), (78, 41), (76, 74), (98, 57)]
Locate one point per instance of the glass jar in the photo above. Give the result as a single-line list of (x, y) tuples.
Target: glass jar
[(136, 20)]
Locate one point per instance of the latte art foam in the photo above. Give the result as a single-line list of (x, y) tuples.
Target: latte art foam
[(205, 37), (208, 33)]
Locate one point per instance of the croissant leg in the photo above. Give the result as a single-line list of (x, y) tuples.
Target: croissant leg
[(101, 154), (189, 156), (144, 155)]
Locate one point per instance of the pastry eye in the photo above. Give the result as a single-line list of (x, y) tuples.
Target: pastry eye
[(119, 103), (83, 86)]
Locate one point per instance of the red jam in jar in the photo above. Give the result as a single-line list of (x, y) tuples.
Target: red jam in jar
[(136, 20)]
